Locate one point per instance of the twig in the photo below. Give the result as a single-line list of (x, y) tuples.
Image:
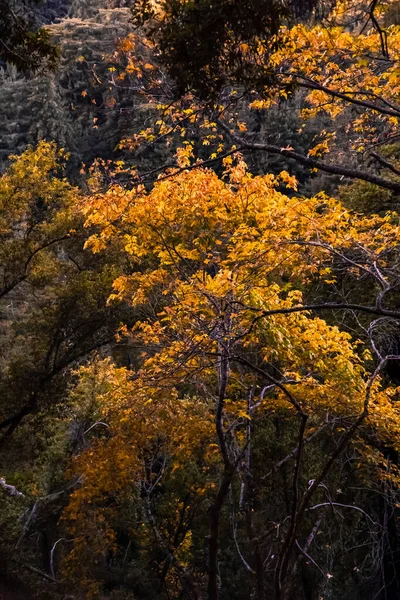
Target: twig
[(38, 572), (52, 555), (95, 425)]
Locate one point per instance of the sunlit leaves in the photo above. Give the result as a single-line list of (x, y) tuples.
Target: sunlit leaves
[(38, 209)]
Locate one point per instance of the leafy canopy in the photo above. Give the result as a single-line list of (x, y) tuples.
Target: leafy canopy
[(220, 271)]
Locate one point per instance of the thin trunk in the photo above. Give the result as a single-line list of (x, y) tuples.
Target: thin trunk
[(253, 538), (188, 585), (213, 539), (228, 473), (257, 556)]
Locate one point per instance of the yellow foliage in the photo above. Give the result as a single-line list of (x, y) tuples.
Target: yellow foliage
[(212, 255)]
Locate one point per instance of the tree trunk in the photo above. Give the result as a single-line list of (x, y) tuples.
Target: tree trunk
[(213, 539)]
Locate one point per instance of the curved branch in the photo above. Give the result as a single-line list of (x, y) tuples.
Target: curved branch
[(272, 379), (372, 310), (9, 287), (311, 163), (309, 84)]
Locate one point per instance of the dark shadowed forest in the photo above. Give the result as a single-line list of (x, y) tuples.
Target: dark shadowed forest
[(199, 299)]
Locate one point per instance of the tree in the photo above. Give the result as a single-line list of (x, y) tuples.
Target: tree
[(342, 65), (52, 293), (228, 280), (237, 432), (53, 317)]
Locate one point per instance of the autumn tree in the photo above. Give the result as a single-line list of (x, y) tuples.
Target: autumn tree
[(337, 68), (52, 293), (53, 317), (237, 433), (233, 342)]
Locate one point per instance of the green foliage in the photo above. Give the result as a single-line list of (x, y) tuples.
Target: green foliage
[(54, 315), (23, 44)]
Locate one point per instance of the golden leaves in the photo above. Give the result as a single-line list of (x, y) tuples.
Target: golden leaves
[(218, 265), (204, 241), (338, 69)]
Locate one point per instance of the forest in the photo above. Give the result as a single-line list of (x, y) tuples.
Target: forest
[(200, 299)]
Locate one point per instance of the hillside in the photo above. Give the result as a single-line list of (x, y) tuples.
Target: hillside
[(69, 105)]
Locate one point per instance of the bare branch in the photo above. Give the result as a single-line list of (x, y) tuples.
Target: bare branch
[(352, 506), (52, 555), (38, 572), (303, 551), (95, 425)]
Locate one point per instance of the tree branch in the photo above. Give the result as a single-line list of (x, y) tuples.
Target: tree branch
[(385, 163), (312, 163)]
